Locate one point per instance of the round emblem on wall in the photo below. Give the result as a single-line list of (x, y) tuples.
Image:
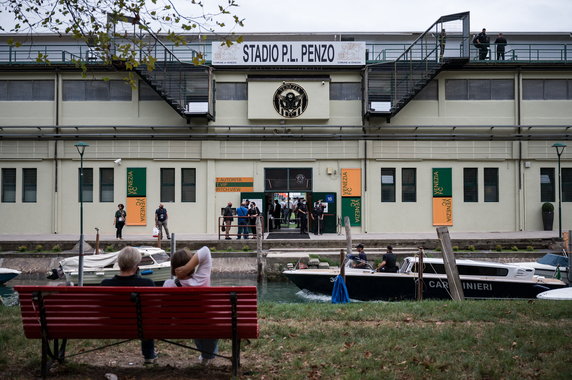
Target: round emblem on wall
[(300, 178), (290, 100)]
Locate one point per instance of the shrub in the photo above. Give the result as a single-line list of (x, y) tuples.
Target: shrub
[(22, 248), (498, 247), (471, 248), (455, 248), (245, 248), (56, 248), (514, 248), (438, 249), (547, 207), (39, 248), (109, 248), (529, 248)]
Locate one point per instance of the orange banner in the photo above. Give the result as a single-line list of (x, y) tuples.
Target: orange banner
[(136, 208), (442, 211), (351, 182)]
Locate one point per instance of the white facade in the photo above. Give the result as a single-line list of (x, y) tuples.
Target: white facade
[(330, 136)]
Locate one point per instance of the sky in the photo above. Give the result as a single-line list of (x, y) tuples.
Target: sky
[(402, 15), (270, 16)]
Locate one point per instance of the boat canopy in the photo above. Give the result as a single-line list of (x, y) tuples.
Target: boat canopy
[(554, 260), (89, 262)]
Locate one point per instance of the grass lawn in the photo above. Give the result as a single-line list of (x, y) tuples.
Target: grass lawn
[(401, 340)]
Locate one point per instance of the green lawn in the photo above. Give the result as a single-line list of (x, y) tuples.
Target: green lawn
[(401, 340)]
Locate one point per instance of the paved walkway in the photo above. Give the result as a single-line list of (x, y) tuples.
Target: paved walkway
[(395, 236)]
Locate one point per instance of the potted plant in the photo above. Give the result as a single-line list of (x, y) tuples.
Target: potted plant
[(547, 216)]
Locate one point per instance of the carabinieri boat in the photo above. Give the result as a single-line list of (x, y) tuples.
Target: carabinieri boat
[(155, 264), (479, 279)]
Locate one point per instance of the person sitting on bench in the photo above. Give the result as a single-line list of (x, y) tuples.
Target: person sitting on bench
[(128, 261), (194, 270)]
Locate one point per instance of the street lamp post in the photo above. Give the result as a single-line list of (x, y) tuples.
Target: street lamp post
[(559, 150), (80, 146)]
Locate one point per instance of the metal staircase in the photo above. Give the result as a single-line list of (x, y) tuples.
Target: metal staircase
[(186, 87), (390, 86)]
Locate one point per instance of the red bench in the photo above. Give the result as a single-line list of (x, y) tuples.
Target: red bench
[(55, 314)]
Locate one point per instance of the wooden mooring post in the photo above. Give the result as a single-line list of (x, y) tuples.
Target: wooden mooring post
[(259, 258), (455, 287)]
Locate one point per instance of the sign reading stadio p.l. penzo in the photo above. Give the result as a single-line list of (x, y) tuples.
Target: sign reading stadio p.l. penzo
[(289, 53)]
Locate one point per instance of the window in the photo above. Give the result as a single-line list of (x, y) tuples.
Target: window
[(188, 185), (26, 90), (147, 93), (566, 184), (491, 184), (479, 89), (288, 179), (96, 90), (345, 91), (87, 184), (231, 91), (388, 185), (106, 184), (408, 185), (547, 188), (29, 185), (547, 89), (8, 185), (167, 185), (470, 185), (429, 92)]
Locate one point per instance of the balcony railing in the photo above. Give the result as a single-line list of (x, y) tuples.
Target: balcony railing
[(375, 52)]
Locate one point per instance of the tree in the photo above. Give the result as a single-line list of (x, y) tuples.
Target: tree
[(101, 24)]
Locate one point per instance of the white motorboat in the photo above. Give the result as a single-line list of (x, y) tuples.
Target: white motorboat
[(155, 264), (563, 294), (479, 279), (6, 274), (549, 265)]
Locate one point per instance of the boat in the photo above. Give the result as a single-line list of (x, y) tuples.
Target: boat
[(6, 274), (155, 264), (479, 280), (550, 265), (563, 294)]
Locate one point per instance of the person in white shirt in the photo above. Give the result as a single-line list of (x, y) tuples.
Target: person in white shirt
[(194, 270)]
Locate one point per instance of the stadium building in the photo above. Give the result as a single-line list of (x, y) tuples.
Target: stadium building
[(401, 132)]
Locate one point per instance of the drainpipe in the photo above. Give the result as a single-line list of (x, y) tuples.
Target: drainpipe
[(521, 200), (55, 203)]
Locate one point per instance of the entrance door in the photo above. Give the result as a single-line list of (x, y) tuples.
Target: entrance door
[(330, 215)]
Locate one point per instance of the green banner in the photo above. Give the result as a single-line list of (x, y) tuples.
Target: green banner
[(442, 182), (351, 207), (136, 182)]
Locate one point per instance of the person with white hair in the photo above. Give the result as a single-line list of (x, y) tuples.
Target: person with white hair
[(128, 261)]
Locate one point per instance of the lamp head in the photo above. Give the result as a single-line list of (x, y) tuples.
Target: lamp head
[(559, 148), (80, 146)]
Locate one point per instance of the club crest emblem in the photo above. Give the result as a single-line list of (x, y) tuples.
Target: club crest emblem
[(290, 100)]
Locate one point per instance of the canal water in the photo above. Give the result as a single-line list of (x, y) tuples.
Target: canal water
[(274, 291)]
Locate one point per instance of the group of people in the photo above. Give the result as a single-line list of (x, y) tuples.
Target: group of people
[(482, 42), (161, 217), (388, 262), (187, 269), (278, 213)]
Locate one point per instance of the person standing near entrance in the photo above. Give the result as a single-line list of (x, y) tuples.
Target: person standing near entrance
[(119, 221), (161, 220), (242, 214), (276, 214), (253, 213), (227, 214), (303, 216), (318, 217)]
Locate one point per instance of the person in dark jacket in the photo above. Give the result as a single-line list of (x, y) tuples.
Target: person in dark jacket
[(500, 42), (128, 261), (119, 221), (389, 263), (228, 215), (483, 42)]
